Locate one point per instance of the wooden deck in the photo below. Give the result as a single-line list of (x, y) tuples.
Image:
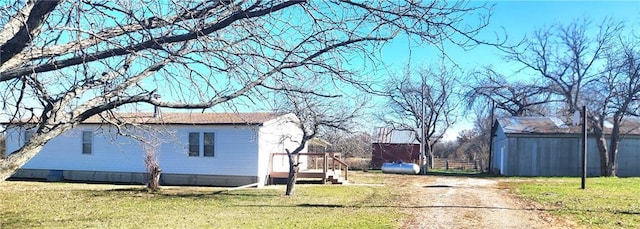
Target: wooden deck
[(326, 166), (309, 173)]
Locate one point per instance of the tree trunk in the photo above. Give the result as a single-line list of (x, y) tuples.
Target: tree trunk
[(152, 165), (430, 155), (612, 163), (154, 179), (17, 159), (604, 154), (293, 174), (613, 147)]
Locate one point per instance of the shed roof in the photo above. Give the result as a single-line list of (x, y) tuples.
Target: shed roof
[(388, 135), (319, 142), (541, 125), (554, 125)]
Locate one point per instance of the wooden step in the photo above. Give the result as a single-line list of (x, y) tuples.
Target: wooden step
[(336, 180)]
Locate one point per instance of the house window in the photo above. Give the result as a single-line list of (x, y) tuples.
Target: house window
[(87, 142), (194, 144), (27, 135), (207, 149), (209, 139)]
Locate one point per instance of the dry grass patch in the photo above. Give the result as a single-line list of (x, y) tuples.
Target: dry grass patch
[(606, 203), (55, 205)]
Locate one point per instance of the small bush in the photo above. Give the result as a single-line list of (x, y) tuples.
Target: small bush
[(358, 163)]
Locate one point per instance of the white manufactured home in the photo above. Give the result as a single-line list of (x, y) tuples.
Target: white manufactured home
[(221, 149)]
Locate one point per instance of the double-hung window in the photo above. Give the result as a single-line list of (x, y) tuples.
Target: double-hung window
[(206, 149), (87, 142), (194, 144), (209, 139), (27, 135)]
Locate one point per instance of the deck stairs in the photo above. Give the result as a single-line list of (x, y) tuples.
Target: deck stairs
[(327, 167), (335, 178)]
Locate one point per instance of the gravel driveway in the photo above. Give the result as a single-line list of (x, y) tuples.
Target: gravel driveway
[(461, 202)]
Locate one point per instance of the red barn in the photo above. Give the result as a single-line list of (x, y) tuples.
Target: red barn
[(394, 145)]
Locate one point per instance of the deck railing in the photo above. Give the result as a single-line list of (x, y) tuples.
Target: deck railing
[(341, 163), (316, 161)]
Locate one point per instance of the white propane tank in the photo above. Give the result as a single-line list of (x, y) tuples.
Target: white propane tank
[(400, 168)]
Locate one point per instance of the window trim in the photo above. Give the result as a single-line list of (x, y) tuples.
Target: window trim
[(204, 144), (197, 144), (201, 144), (28, 134), (89, 142)]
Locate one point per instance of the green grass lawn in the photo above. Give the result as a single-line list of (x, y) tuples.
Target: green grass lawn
[(54, 205), (605, 203)]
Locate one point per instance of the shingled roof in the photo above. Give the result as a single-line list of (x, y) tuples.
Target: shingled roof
[(182, 118), (554, 125), (190, 118)]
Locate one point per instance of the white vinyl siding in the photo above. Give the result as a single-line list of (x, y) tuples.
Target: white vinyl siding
[(235, 148), (275, 136)]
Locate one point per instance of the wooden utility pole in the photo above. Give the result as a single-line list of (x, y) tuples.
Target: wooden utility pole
[(423, 141), (584, 147), (490, 164)]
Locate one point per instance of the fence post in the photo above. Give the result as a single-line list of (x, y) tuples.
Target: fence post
[(324, 168)]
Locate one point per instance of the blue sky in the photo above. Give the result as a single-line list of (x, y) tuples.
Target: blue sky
[(515, 19)]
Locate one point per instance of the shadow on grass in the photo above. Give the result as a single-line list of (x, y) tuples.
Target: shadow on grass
[(220, 193), (454, 173), (394, 206), (170, 193), (438, 186), (63, 181), (133, 190), (441, 207), (18, 220), (320, 205)]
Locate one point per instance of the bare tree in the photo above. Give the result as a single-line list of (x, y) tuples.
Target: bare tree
[(316, 115), (350, 144), (65, 61), (426, 101), (597, 69), (472, 144), (567, 56), (513, 97), (150, 137), (446, 149), (613, 98), (152, 165)]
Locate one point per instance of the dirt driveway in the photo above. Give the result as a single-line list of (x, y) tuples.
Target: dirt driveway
[(462, 202)]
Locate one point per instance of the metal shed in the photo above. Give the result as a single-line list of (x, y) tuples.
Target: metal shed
[(547, 146)]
